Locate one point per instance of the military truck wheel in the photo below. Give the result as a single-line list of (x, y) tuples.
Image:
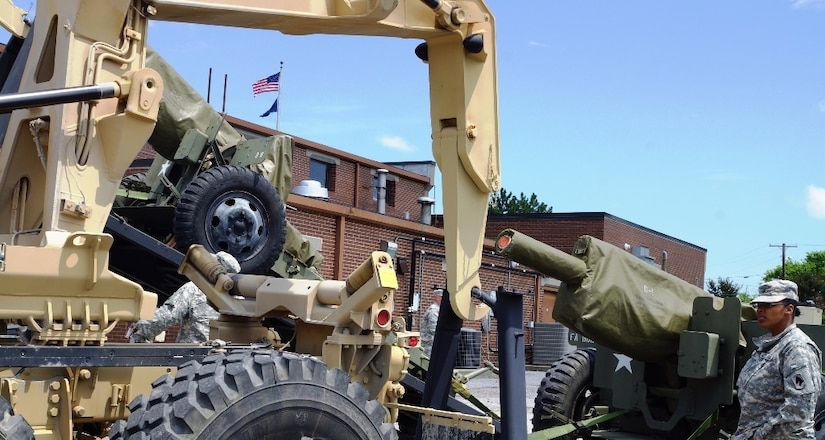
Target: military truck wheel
[(13, 427), (261, 395), (233, 209), (567, 388)]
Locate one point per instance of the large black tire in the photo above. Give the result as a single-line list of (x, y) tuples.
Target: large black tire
[(567, 388), (260, 395), (233, 209), (13, 427)]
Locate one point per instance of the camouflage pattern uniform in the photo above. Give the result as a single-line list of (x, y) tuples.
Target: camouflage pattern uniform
[(188, 307), (780, 383), (778, 387), (427, 327)]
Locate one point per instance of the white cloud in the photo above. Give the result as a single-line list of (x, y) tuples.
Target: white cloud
[(537, 44), (821, 106), (395, 143), (816, 202), (808, 4)]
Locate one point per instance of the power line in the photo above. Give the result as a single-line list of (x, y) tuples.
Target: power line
[(783, 246)]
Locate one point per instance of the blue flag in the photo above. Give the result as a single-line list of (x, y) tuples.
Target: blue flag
[(272, 109)]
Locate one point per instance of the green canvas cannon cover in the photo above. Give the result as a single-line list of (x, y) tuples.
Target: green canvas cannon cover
[(612, 297), (181, 109), (625, 303)]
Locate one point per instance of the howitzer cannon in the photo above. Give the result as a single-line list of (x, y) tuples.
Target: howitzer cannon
[(657, 355)]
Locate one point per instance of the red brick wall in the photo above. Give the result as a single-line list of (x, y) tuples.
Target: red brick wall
[(559, 232), (683, 261), (319, 226), (147, 152)]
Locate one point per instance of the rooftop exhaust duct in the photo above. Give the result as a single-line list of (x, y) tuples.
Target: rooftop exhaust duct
[(311, 189)]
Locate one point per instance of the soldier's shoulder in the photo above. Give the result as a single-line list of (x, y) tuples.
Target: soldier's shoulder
[(798, 340)]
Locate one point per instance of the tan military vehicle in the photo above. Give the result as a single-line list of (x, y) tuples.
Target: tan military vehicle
[(78, 103)]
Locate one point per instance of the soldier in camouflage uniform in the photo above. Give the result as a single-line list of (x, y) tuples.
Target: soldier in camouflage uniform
[(187, 307), (780, 383), (429, 321)]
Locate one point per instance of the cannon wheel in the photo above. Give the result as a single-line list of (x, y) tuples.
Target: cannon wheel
[(261, 395), (233, 209), (13, 427), (567, 388), (133, 182)]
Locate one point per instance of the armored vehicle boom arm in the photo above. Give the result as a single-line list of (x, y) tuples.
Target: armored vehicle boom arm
[(60, 165)]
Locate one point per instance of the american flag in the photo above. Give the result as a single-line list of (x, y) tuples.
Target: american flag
[(269, 84)]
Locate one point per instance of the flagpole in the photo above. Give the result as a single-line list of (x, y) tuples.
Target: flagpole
[(278, 99)]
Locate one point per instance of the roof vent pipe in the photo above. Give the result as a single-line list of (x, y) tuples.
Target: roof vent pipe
[(382, 190), (426, 209), (664, 261)]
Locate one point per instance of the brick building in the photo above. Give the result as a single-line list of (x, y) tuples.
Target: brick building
[(347, 226)]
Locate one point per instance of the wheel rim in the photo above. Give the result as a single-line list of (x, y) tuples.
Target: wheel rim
[(295, 420), (236, 224), (586, 402)]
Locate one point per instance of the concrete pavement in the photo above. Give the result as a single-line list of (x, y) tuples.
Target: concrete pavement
[(486, 389)]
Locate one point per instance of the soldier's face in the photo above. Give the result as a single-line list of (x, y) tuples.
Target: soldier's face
[(774, 317)]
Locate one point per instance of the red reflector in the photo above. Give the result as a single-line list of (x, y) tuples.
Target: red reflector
[(383, 317), (412, 341)]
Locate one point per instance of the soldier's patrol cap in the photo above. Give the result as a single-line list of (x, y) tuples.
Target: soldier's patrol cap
[(777, 290)]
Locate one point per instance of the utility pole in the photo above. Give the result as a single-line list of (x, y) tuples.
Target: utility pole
[(783, 246)]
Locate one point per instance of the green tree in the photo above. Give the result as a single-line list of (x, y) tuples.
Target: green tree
[(809, 275), (744, 298), (723, 287), (505, 202)]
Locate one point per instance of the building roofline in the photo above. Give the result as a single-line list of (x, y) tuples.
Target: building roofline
[(266, 131), (594, 216)]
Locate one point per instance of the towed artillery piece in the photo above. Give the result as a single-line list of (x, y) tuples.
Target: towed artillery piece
[(207, 184), (657, 357)]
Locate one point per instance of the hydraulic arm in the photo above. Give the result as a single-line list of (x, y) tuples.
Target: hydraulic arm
[(70, 157)]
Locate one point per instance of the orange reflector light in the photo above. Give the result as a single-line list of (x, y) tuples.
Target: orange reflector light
[(383, 317), (504, 241)]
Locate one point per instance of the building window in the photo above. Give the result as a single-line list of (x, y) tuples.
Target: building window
[(322, 172), (392, 182), (391, 193), (322, 168)]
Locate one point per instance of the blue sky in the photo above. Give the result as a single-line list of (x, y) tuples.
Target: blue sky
[(703, 120)]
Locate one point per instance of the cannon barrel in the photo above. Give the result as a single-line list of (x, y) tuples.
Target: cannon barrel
[(546, 259)]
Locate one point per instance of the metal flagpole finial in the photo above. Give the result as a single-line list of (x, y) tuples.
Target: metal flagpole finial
[(280, 103)]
